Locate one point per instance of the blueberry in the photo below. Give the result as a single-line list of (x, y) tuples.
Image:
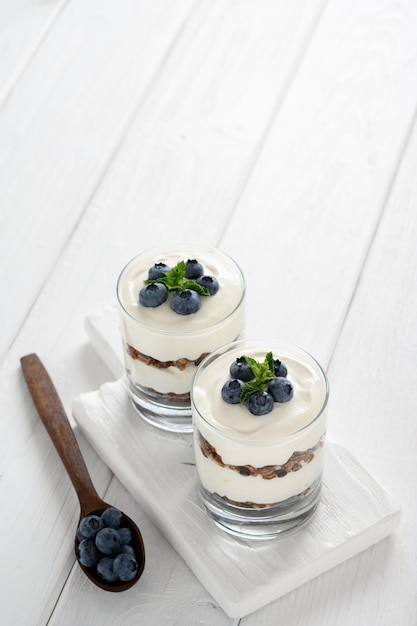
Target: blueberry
[(193, 269), (125, 566), (105, 569), (280, 369), (112, 517), (88, 554), (127, 549), (90, 525), (158, 270), (281, 389), (153, 295), (231, 391), (260, 403), (185, 302), (125, 535), (108, 540), (240, 368), (210, 283)]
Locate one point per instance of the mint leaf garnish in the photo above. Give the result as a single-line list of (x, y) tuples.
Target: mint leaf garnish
[(175, 280), (192, 284), (263, 373)]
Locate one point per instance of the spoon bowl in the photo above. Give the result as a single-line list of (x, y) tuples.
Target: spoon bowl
[(137, 544), (55, 420)]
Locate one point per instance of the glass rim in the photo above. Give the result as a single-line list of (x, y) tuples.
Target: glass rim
[(257, 342), (183, 333)]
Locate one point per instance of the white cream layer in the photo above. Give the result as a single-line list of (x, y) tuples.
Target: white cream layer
[(167, 380), (243, 439), (229, 483), (166, 336)]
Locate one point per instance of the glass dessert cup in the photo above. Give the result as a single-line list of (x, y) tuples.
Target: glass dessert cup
[(260, 476), (162, 348)]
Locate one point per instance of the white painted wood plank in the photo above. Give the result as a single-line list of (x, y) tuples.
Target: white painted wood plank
[(103, 330), (310, 208), (181, 153), (376, 406), (62, 125), (372, 375), (374, 395), (23, 26)]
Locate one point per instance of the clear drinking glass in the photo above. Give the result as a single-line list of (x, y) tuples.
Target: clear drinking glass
[(260, 475), (162, 348)]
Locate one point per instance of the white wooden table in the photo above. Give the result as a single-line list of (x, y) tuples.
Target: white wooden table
[(282, 131)]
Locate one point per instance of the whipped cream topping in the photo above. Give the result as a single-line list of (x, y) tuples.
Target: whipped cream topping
[(214, 309), (285, 419)]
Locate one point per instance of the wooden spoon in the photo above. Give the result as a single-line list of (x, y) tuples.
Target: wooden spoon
[(52, 413)]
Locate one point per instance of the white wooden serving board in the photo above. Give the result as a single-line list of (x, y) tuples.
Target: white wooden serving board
[(158, 470)]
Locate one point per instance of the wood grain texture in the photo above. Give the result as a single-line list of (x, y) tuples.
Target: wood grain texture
[(54, 147), (379, 340), (319, 187), (23, 26)]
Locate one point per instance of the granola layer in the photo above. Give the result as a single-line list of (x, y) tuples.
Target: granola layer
[(257, 505), (170, 396), (297, 461), (180, 363)]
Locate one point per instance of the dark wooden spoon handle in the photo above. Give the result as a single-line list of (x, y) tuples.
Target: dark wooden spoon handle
[(52, 414)]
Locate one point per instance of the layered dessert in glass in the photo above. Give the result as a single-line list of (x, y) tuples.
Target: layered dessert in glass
[(177, 305), (259, 414)]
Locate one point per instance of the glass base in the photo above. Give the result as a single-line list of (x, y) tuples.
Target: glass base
[(158, 411), (272, 521)]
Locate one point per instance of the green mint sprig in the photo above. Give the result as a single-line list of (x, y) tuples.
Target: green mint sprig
[(175, 280), (263, 373)]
